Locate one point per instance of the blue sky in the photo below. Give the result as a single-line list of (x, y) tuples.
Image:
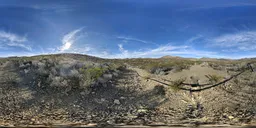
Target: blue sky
[(129, 28)]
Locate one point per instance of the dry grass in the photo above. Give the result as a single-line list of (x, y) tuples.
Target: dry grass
[(150, 64), (213, 79), (176, 84)]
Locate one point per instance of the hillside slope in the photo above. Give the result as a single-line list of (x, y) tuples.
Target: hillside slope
[(77, 89)]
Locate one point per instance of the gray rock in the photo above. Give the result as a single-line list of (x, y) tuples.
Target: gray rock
[(40, 65), (22, 66), (85, 92), (110, 122), (102, 80), (107, 76), (100, 101), (122, 98), (117, 71), (115, 74), (79, 65), (116, 101), (26, 71)]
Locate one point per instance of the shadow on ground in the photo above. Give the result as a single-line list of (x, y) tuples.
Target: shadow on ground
[(27, 102)]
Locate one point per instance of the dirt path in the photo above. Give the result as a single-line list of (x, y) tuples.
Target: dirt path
[(227, 103), (129, 99)]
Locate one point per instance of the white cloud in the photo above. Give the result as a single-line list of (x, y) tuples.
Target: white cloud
[(216, 6), (125, 39), (69, 39), (8, 39), (54, 8), (159, 52), (121, 49), (81, 50), (242, 41), (192, 39), (13, 44)]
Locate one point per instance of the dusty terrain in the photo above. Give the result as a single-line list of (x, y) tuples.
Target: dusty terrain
[(72, 89)]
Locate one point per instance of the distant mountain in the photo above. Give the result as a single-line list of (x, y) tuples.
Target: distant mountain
[(169, 56)]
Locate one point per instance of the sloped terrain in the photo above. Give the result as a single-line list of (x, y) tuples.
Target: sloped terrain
[(83, 90)]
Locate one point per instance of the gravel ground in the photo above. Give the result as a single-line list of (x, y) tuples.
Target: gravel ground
[(124, 101)]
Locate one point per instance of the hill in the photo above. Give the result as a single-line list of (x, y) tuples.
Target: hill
[(65, 89)]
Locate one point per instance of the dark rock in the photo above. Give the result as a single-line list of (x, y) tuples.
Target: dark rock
[(159, 90)]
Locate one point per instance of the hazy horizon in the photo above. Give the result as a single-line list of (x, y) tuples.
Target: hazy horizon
[(129, 28)]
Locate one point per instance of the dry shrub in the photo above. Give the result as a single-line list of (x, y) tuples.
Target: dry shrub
[(90, 75), (213, 79), (176, 84)]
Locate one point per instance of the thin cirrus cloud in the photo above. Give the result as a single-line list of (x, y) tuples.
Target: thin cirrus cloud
[(217, 6), (53, 8), (8, 40), (69, 39), (126, 39), (242, 41), (195, 38), (160, 51)]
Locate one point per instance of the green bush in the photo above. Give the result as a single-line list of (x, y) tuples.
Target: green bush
[(90, 75)]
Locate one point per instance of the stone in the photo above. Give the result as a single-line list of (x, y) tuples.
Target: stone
[(100, 101), (110, 122), (85, 92), (142, 110), (107, 76), (231, 117), (103, 100), (92, 124), (122, 98), (116, 101), (33, 119), (26, 71), (102, 80), (115, 74), (22, 66)]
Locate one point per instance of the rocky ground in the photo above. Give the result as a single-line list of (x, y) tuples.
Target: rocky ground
[(72, 90)]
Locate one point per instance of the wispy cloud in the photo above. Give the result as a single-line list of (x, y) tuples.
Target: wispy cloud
[(192, 39), (13, 44), (243, 41), (122, 50), (54, 7), (8, 39), (69, 39), (126, 39), (216, 6), (160, 51)]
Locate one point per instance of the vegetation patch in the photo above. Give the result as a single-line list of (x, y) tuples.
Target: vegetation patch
[(176, 84), (213, 79)]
